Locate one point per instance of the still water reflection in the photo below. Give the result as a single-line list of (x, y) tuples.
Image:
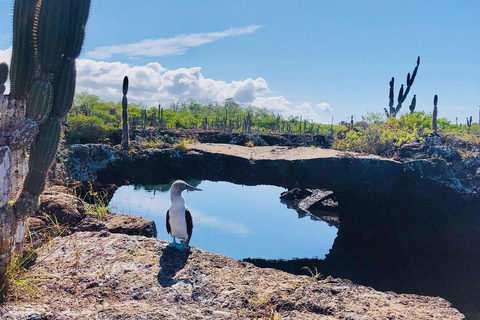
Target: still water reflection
[(233, 220)]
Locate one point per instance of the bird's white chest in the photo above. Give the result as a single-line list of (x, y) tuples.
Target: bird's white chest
[(178, 224)]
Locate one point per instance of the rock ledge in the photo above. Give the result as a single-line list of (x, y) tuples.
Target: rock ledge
[(91, 275)]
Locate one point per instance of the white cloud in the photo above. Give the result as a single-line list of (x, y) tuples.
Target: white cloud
[(168, 46), (6, 55), (151, 83), (323, 106), (277, 104), (304, 110), (286, 109), (225, 226)]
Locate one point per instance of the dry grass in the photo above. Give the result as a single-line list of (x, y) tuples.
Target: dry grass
[(182, 145)]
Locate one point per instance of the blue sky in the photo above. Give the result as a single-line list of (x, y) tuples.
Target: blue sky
[(311, 58)]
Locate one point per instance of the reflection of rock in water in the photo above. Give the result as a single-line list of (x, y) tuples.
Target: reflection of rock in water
[(319, 204), (164, 187)]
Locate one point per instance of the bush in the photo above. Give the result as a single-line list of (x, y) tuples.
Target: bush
[(382, 137), (88, 129)]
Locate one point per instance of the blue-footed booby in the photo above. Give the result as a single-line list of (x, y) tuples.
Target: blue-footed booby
[(179, 219)]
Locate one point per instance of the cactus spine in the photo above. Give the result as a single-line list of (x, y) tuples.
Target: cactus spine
[(125, 133), (434, 115)]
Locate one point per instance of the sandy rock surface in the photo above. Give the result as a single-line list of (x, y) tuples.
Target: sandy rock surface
[(100, 275), (277, 152)]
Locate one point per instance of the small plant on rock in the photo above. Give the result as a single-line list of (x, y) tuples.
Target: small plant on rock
[(313, 274)]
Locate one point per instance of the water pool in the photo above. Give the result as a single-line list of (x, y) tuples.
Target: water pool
[(233, 220)]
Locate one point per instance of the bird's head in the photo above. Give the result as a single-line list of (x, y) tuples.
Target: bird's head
[(180, 185)]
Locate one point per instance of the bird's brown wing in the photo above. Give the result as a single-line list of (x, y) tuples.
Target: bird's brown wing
[(188, 219), (169, 229)]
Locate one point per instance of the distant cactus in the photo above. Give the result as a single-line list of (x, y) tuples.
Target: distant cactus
[(125, 133), (402, 93), (3, 76), (469, 123), (413, 104), (434, 114)]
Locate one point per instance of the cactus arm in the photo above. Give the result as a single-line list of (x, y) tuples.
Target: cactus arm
[(40, 100), (64, 88), (22, 67), (51, 33), (413, 103), (78, 16)]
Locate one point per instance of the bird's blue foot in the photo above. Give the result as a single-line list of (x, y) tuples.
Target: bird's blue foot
[(173, 244), (182, 246)]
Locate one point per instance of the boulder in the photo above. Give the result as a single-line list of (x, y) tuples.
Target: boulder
[(131, 225), (411, 149), (90, 223), (65, 208), (244, 139), (448, 153)]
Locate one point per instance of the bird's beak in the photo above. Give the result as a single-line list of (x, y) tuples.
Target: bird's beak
[(191, 188)]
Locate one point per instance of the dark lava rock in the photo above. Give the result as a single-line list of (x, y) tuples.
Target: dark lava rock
[(448, 153), (65, 208), (409, 150), (244, 139), (90, 223), (131, 225)]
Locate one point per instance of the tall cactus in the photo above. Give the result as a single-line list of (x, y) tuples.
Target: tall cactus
[(3, 76), (434, 114), (47, 38), (125, 133), (402, 93)]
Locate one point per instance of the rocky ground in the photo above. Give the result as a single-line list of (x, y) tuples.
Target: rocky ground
[(114, 268), (101, 275)]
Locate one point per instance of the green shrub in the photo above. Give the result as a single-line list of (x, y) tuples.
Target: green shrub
[(381, 137), (87, 129)]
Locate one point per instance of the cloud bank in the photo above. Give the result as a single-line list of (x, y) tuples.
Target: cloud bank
[(152, 83), (167, 46)]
